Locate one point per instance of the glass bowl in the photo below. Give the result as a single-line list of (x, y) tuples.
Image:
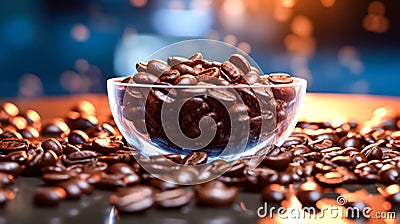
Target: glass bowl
[(227, 122)]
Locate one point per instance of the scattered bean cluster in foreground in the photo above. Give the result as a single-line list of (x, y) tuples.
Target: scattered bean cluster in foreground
[(77, 154)]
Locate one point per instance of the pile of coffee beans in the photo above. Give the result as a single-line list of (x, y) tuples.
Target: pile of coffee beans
[(78, 154), (243, 101)]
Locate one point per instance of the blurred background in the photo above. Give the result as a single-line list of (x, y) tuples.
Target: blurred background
[(58, 47)]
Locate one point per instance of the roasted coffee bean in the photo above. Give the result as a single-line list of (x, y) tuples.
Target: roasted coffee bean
[(392, 194), (186, 175), (230, 72), (390, 174), (211, 72), (52, 178), (20, 157), (222, 95), (186, 80), (172, 61), (77, 137), (6, 195), (240, 62), (29, 133), (55, 128), (195, 158), (278, 162), (105, 146), (111, 181), (372, 152), (11, 145), (309, 193), (133, 200), (78, 121), (79, 157), (173, 198), (280, 78), (287, 94), (12, 168), (331, 179), (141, 67), (215, 193), (6, 179), (162, 185), (170, 76), (157, 67), (53, 145), (185, 69), (196, 57), (273, 193), (49, 196), (351, 140), (120, 168)]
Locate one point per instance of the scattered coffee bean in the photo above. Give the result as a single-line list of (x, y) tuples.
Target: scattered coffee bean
[(49, 196)]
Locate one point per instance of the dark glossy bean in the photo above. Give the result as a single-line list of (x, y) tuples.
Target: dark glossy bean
[(77, 137), (215, 193), (53, 145), (133, 200), (273, 193), (309, 193), (173, 198), (230, 72), (157, 67), (195, 158), (49, 196), (105, 146), (280, 78)]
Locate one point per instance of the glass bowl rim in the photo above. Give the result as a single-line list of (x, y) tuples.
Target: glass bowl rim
[(116, 81)]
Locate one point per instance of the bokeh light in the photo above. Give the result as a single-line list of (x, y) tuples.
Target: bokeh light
[(328, 3), (138, 3), (245, 47), (231, 39), (376, 21), (349, 57), (376, 8), (30, 85), (80, 32), (82, 65)]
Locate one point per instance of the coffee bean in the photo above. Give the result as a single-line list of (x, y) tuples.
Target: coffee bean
[(184, 69), (55, 128), (12, 168), (331, 179), (372, 152), (78, 121), (273, 193), (280, 78), (133, 200), (120, 168), (53, 145), (309, 193), (141, 67), (20, 157), (11, 145), (157, 67), (240, 62), (186, 175), (195, 158), (211, 72), (390, 174), (173, 198), (71, 188), (186, 80), (162, 185), (6, 180), (49, 196), (230, 72), (215, 193), (172, 61), (53, 178), (105, 146), (278, 162), (392, 194), (77, 137)]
